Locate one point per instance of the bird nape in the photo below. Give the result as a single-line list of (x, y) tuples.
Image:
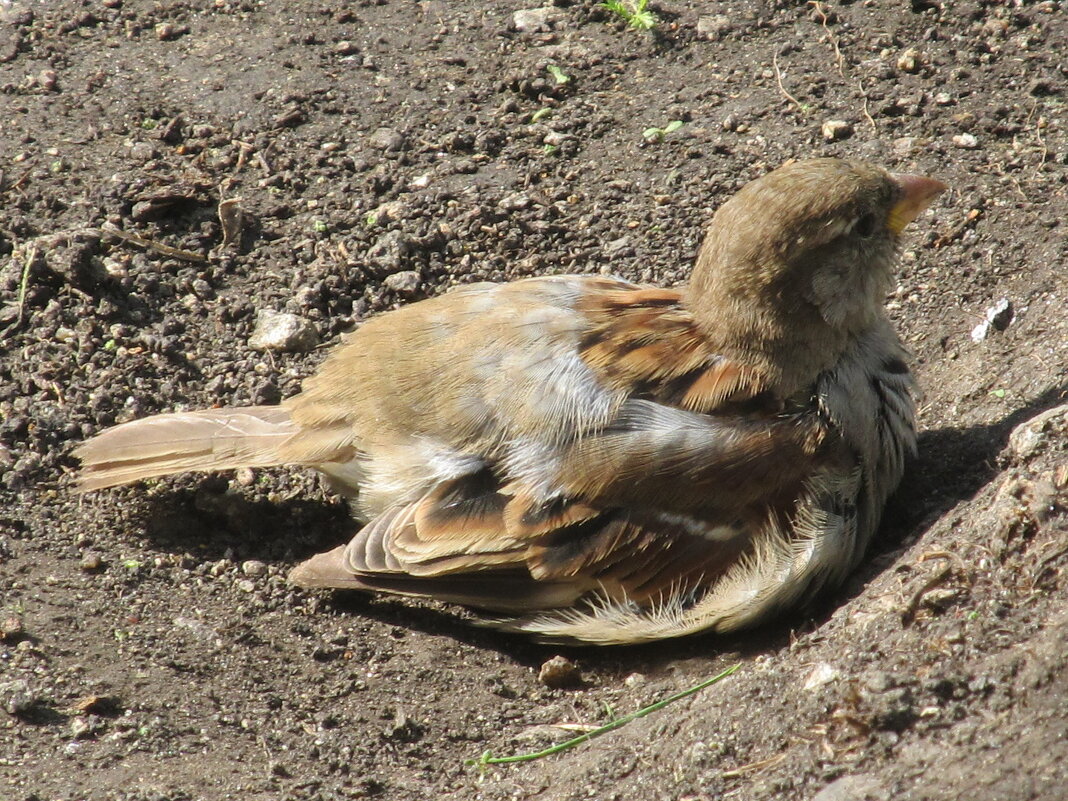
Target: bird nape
[(587, 459)]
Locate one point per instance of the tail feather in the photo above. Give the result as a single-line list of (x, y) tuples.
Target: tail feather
[(212, 439)]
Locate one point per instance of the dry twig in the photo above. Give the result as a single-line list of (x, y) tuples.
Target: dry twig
[(158, 247), (824, 18), (778, 80)]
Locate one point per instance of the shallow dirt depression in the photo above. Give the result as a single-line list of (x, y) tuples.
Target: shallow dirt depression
[(378, 153)]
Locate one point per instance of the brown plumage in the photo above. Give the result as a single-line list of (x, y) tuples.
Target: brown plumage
[(596, 461)]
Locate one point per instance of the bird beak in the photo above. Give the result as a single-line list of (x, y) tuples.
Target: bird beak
[(917, 193)]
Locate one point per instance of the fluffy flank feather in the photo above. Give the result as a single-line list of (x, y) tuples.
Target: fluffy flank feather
[(781, 571)]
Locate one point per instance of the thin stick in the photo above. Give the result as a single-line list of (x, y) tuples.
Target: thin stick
[(1038, 134), (24, 281), (21, 179), (166, 250), (864, 96), (488, 759), (818, 7), (778, 80), (753, 766)]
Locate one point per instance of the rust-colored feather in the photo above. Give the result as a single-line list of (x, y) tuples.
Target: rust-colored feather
[(646, 342), (528, 517)]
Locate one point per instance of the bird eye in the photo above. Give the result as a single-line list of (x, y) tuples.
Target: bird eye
[(865, 225)]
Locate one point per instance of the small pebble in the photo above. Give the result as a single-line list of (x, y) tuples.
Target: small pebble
[(387, 139), (966, 140), (906, 145), (851, 788), (254, 568), (635, 680), (142, 151), (534, 20), (997, 317), (836, 130), (822, 674), (388, 212), (555, 138), (389, 251), (514, 202), (559, 672), (219, 568), (11, 627), (406, 282), (731, 123), (1033, 435), (280, 331), (47, 80), (714, 26), (166, 31), (16, 697), (86, 726), (91, 562), (910, 61)]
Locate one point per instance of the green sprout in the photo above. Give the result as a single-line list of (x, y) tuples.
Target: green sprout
[(658, 134), (540, 114), (634, 12), (558, 74)]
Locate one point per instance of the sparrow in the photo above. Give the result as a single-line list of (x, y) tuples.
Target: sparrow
[(590, 460)]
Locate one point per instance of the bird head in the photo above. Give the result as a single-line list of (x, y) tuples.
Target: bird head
[(804, 254)]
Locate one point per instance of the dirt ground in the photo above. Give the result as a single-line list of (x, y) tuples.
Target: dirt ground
[(380, 151)]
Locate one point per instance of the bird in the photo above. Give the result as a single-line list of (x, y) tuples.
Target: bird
[(588, 460)]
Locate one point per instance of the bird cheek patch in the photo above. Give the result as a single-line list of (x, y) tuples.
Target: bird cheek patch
[(830, 292)]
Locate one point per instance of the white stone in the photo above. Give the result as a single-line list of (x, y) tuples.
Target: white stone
[(280, 331)]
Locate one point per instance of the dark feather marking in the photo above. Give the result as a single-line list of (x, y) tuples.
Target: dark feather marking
[(565, 546), (895, 366), (472, 496), (536, 515)]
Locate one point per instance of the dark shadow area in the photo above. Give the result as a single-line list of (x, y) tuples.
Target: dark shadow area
[(463, 626), (41, 713), (203, 516), (953, 465)]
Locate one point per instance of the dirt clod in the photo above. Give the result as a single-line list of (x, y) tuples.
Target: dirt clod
[(559, 672)]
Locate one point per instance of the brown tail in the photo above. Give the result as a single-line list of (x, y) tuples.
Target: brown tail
[(212, 439)]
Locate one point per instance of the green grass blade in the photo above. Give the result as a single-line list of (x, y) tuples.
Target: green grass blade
[(487, 757)]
